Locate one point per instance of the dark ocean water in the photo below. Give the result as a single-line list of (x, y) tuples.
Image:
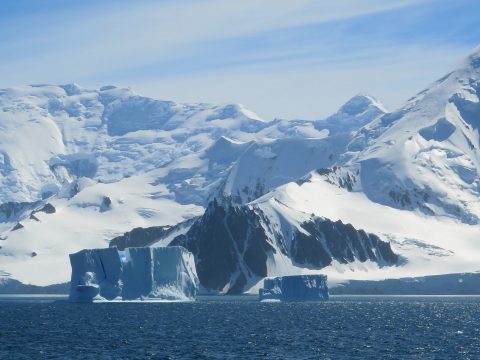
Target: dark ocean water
[(219, 328)]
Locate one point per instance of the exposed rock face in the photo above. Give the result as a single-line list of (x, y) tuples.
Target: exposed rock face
[(229, 245), (47, 208), (324, 241), (11, 211), (234, 244), (137, 273), (18, 226), (17, 211), (139, 237), (106, 204)]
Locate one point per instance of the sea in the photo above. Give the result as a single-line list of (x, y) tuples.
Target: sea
[(345, 327)]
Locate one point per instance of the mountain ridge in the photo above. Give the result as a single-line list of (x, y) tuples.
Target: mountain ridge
[(109, 161)]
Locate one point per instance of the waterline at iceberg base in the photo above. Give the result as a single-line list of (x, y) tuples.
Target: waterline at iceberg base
[(143, 273)]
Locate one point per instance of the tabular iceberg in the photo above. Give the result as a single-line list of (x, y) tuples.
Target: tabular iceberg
[(163, 273), (295, 288)]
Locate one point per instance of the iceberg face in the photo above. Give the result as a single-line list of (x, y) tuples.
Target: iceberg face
[(295, 288), (95, 272), (137, 273)]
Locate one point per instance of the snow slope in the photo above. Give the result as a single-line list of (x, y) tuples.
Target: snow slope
[(410, 177), (110, 160), (430, 245), (268, 164), (38, 252), (236, 246), (52, 135), (425, 156), (313, 213)]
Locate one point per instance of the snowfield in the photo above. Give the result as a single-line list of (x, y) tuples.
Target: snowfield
[(429, 245), (364, 194)]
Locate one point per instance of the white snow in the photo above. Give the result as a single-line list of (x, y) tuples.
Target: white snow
[(158, 163), (430, 245), (428, 150), (109, 160), (78, 223)]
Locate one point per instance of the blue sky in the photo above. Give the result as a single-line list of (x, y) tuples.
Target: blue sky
[(288, 59)]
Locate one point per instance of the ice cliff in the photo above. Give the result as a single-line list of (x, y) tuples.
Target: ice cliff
[(295, 288), (136, 273)]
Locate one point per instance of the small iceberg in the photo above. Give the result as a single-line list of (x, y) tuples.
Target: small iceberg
[(295, 288), (143, 273)]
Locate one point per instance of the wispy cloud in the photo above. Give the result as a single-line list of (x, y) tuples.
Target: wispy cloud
[(310, 89), (262, 53), (109, 36)]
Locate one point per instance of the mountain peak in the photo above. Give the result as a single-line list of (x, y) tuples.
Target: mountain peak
[(475, 53), (474, 58), (469, 66), (229, 111), (72, 89), (355, 113), (360, 103)]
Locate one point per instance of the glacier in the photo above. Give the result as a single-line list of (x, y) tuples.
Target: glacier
[(166, 273), (365, 194), (295, 288)]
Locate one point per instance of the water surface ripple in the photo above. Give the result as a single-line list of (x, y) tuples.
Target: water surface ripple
[(212, 328)]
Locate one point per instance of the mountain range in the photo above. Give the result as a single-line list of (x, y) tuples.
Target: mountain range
[(366, 193)]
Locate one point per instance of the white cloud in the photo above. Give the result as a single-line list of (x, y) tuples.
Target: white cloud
[(109, 38), (313, 91), (120, 44)]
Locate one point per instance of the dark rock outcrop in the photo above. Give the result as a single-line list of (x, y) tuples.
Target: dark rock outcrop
[(324, 241), (11, 211), (229, 245), (47, 209), (106, 204), (140, 237), (18, 226), (232, 243)]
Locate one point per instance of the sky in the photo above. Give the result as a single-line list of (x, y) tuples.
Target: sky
[(293, 59)]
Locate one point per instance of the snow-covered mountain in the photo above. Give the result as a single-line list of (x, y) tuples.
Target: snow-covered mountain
[(269, 164), (53, 135), (365, 193), (425, 156), (237, 246), (107, 161)]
